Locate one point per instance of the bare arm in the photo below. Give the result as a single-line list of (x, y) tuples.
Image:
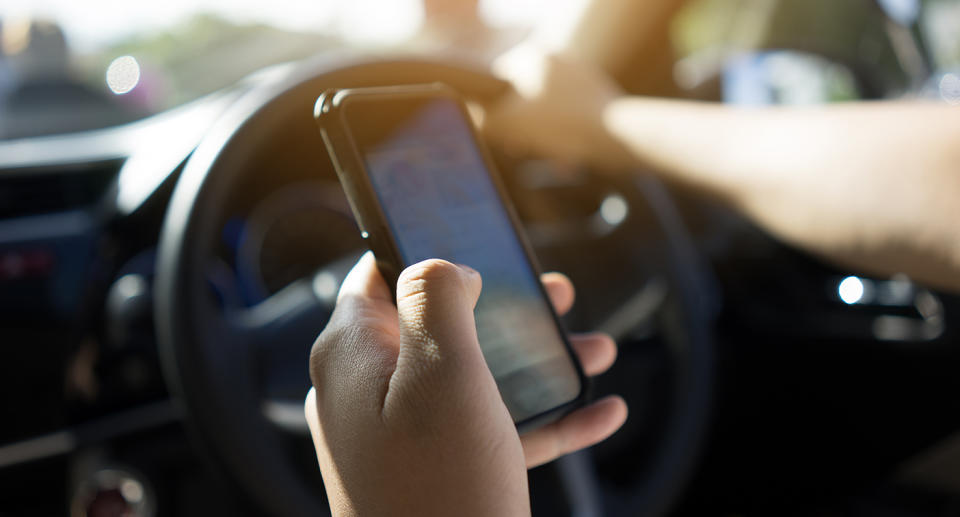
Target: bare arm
[(874, 186), (870, 185)]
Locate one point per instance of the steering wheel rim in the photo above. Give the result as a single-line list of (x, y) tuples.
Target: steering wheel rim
[(209, 357)]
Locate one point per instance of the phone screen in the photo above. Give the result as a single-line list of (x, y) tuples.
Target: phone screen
[(440, 202)]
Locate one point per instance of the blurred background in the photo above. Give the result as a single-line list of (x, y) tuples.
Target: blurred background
[(811, 401), (58, 56)]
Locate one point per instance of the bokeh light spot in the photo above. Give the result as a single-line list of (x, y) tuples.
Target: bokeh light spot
[(950, 88), (123, 74), (614, 209), (850, 290)]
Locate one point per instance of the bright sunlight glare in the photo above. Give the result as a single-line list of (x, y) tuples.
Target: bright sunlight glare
[(850, 290), (94, 24)]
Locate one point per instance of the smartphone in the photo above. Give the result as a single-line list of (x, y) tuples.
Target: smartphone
[(421, 186)]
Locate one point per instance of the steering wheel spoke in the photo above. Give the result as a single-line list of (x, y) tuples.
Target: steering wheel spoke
[(278, 333), (295, 313)]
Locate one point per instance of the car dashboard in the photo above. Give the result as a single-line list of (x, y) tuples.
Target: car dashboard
[(828, 381)]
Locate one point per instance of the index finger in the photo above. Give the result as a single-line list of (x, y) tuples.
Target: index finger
[(560, 291)]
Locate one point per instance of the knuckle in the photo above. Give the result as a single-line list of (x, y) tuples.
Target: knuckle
[(318, 357), (323, 351), (426, 274)]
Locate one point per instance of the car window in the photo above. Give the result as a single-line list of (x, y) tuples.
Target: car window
[(783, 51), (67, 66)]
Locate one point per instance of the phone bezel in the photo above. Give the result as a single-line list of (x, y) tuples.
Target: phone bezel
[(331, 117)]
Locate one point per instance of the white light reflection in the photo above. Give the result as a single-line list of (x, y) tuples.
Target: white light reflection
[(850, 290), (950, 88), (904, 12), (131, 490), (325, 286), (123, 74), (614, 209)]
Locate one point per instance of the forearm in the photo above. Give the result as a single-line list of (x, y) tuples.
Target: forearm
[(871, 185)]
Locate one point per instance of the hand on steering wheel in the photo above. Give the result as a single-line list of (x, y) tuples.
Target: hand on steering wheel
[(231, 370), (556, 109), (405, 415)]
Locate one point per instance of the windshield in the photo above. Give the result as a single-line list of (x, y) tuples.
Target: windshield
[(69, 66)]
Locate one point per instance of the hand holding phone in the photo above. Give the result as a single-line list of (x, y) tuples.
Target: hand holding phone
[(405, 416), (421, 186)]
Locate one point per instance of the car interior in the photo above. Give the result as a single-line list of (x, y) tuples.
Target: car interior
[(172, 239)]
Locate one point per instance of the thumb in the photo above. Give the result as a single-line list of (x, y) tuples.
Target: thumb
[(438, 334)]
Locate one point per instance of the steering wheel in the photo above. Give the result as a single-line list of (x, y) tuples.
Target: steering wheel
[(229, 367)]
